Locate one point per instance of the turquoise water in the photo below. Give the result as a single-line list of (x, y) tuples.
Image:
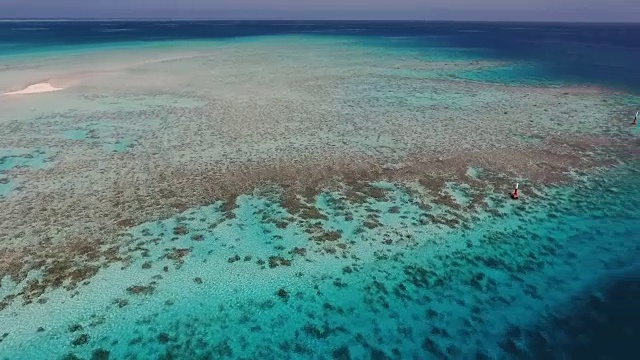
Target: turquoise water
[(76, 134), (388, 269), (575, 52), (518, 74), (102, 134), (381, 277), (12, 159)]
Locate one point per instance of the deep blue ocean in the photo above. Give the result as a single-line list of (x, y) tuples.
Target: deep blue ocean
[(605, 54), (601, 326)]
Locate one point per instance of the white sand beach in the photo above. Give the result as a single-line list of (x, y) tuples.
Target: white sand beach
[(35, 89)]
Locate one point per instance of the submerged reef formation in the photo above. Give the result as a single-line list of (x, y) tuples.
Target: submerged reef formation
[(353, 207)]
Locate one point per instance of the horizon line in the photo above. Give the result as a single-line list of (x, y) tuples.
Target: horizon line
[(311, 19)]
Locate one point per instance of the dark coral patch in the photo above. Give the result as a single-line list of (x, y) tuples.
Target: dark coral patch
[(197, 237), (80, 340), (75, 327), (328, 236), (163, 338), (299, 251), (283, 294), (342, 353), (100, 354), (180, 230), (177, 255), (121, 302), (275, 261), (141, 289)]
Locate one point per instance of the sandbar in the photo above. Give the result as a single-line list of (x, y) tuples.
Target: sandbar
[(35, 89)]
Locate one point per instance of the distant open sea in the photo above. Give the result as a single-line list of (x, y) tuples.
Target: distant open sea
[(555, 277), (605, 54)]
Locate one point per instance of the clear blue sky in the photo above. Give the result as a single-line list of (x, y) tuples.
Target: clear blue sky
[(521, 10)]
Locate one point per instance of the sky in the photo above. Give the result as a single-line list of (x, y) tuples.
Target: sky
[(487, 10)]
